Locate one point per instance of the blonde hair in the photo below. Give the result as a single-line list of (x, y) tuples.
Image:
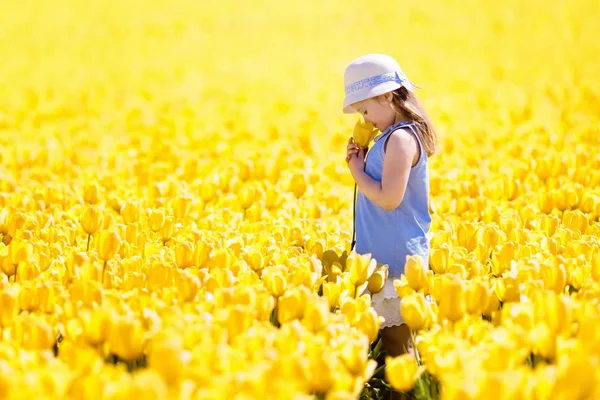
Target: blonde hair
[(405, 103)]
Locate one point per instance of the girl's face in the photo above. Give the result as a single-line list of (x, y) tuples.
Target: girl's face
[(377, 110)]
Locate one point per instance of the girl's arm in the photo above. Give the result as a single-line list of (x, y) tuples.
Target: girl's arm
[(402, 149)]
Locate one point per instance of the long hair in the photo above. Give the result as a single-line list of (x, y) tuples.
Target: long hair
[(404, 102)]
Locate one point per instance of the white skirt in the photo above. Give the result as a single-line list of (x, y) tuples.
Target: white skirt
[(387, 305)]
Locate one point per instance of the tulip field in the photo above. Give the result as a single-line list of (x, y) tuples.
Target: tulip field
[(176, 209)]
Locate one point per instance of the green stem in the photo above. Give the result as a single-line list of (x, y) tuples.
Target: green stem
[(103, 270), (88, 243), (16, 271), (274, 314), (413, 337), (355, 291)]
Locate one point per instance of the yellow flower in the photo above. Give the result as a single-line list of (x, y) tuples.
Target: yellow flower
[(181, 206), (361, 267), (543, 342), (363, 133), (298, 184), (438, 258), (377, 281), (97, 325), (354, 355), (91, 220), (369, 324), (167, 356), (9, 305), (126, 338), (291, 305), (130, 211), (402, 372), (19, 251), (91, 193), (316, 314), (416, 273), (184, 254), (452, 299), (156, 220), (168, 229), (275, 283), (108, 244), (332, 291), (477, 296), (414, 311)]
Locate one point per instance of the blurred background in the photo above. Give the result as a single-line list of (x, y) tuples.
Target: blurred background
[(229, 77)]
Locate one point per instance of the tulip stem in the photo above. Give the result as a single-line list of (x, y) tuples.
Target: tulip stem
[(16, 271), (103, 270), (413, 337), (88, 243), (355, 291)]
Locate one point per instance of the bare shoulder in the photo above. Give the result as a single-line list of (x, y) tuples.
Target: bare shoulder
[(402, 138), (403, 143)]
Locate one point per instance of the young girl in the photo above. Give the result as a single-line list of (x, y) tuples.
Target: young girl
[(392, 207)]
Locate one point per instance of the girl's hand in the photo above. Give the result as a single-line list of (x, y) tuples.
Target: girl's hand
[(351, 149), (355, 157)]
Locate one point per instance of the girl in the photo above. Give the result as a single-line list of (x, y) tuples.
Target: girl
[(392, 207)]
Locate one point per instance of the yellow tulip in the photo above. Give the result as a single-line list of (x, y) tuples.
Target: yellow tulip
[(201, 254), (354, 356), (322, 366), (246, 197), (9, 305), (19, 251), (97, 325), (181, 206), (156, 220), (40, 335), (108, 244), (478, 295), (377, 281), (543, 342), (7, 266), (507, 289), (332, 291), (468, 236), (501, 262), (91, 219), (275, 283), (416, 273), (130, 211), (361, 267), (298, 184), (452, 300), (595, 268), (126, 338), (555, 276), (91, 193), (291, 305), (167, 230), (364, 133), (414, 311), (316, 314), (184, 254), (167, 355), (402, 372), (402, 288), (438, 258), (369, 324)]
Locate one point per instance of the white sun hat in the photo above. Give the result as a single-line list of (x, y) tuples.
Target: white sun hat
[(372, 75)]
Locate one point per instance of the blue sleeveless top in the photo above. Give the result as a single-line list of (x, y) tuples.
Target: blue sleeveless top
[(392, 235)]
